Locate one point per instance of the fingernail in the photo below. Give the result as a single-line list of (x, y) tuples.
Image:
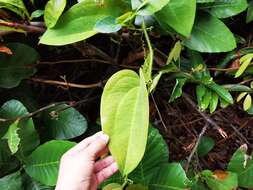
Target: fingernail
[(105, 137)]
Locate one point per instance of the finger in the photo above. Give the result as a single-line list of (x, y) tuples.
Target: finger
[(106, 172), (84, 143), (101, 164), (97, 146)]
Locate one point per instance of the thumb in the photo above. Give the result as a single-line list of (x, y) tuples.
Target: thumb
[(98, 145)]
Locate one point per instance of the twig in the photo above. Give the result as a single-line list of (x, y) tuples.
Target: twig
[(73, 61), (67, 84), (26, 27), (205, 116), (195, 147), (159, 114)]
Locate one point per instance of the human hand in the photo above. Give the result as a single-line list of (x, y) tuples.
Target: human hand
[(79, 169)]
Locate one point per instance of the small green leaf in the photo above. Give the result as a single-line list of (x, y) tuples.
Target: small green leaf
[(213, 102), (174, 53), (43, 163), (113, 186), (107, 25), (170, 177), (177, 90), (13, 137), (149, 7), (11, 182), (200, 92), (242, 164), (241, 96), (206, 100), (247, 102), (36, 14), (237, 88), (53, 11), (205, 146), (245, 61), (125, 96), (64, 122)]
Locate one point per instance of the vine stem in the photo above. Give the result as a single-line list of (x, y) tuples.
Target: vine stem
[(31, 27)]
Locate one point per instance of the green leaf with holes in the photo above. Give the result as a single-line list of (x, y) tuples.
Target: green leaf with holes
[(64, 122), (18, 66), (125, 96), (43, 164)]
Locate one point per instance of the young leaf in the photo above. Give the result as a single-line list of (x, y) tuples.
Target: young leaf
[(36, 14), (206, 100), (29, 138), (170, 177), (250, 12), (245, 61), (213, 102), (78, 22), (13, 137), (200, 92), (43, 163), (125, 96), (241, 96), (53, 11), (64, 122), (113, 186), (174, 53), (242, 164), (247, 102), (177, 90), (107, 25), (210, 35), (178, 15), (206, 145), (222, 180), (18, 66), (227, 8), (11, 182)]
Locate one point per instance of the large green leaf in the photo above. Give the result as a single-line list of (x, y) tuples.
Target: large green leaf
[(125, 96), (242, 164), (16, 67), (227, 8), (29, 138), (170, 177), (155, 155), (53, 11), (64, 122), (78, 22), (178, 15), (11, 182), (13, 137), (210, 35), (43, 163)]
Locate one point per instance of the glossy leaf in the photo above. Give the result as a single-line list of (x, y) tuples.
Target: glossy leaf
[(227, 8), (125, 96), (206, 145), (210, 35), (177, 90), (11, 182), (250, 12), (241, 96), (36, 14), (245, 61), (107, 25), (156, 154), (200, 92), (206, 100), (170, 177), (242, 164), (213, 102), (18, 66), (53, 11), (12, 137), (78, 22), (150, 7), (43, 163), (247, 102), (178, 15), (64, 122), (29, 138)]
